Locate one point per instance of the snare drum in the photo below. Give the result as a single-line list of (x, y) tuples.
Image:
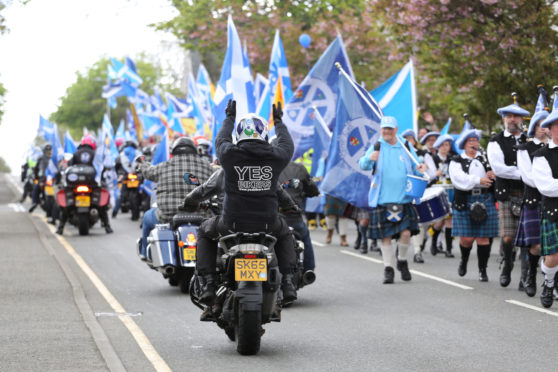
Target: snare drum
[(448, 187), (434, 205)]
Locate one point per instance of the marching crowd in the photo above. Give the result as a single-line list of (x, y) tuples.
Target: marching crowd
[(509, 190)]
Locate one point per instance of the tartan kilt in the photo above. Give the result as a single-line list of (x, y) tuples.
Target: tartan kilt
[(463, 226), (549, 237), (334, 206), (507, 222), (529, 228), (380, 227)]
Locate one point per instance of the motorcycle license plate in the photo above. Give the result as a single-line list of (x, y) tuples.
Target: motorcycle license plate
[(133, 184), (83, 201), (49, 190), (250, 270), (189, 254)]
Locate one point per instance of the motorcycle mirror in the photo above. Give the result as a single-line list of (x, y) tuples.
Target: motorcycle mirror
[(191, 179)]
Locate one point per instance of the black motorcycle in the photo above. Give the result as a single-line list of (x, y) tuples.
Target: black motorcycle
[(248, 286)]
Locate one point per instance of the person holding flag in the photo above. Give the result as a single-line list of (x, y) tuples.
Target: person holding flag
[(393, 217), (39, 176)]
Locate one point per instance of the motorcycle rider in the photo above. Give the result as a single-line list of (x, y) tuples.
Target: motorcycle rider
[(124, 164), (39, 176), (252, 167), (84, 155), (171, 188)]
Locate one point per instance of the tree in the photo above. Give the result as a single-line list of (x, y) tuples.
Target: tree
[(82, 105)]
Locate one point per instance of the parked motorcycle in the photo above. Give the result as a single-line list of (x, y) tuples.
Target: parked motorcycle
[(81, 198), (248, 285)]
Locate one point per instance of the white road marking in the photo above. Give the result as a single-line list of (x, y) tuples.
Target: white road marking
[(318, 243), (16, 207), (417, 273), (152, 355), (531, 307)]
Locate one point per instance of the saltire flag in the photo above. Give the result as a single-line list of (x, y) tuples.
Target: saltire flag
[(264, 105), (153, 125), (445, 129), (107, 126), (46, 129), (130, 73), (260, 85), (319, 88), (173, 121), (120, 133), (69, 144), (205, 86), (162, 152), (117, 89), (357, 127), (279, 69), (157, 101), (235, 82), (397, 97), (322, 141)]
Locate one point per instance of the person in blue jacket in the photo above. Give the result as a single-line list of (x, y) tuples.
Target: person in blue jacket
[(394, 216)]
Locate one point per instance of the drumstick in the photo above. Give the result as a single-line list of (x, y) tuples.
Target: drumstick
[(411, 156)]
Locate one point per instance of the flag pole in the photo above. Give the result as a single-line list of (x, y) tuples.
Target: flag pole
[(321, 120), (338, 65)]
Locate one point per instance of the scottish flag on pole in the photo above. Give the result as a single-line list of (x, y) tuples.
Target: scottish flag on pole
[(397, 97), (162, 153), (319, 88), (357, 127), (69, 144), (235, 82), (46, 129)]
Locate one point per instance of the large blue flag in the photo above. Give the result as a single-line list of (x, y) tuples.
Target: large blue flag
[(319, 88), (235, 82), (398, 98), (162, 153), (279, 69), (69, 144), (46, 129), (357, 127)]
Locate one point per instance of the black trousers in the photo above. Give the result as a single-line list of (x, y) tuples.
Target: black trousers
[(214, 228)]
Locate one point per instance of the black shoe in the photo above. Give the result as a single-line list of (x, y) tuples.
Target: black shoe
[(32, 208), (108, 229), (209, 287), (433, 248), (418, 258), (374, 246), (114, 215), (364, 247), (482, 275), (403, 266), (288, 288), (505, 276), (530, 284), (60, 230), (449, 254), (546, 295), (389, 275), (462, 269), (520, 286), (357, 241)]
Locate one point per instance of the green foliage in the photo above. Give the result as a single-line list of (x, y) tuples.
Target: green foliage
[(4, 168), (2, 94), (82, 105)]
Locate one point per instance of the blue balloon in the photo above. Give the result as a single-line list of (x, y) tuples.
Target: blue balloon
[(304, 40)]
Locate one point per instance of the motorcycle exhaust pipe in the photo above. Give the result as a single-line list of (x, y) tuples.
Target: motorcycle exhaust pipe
[(169, 270), (308, 277)]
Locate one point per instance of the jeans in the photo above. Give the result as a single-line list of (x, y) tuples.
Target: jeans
[(148, 224), (302, 229)]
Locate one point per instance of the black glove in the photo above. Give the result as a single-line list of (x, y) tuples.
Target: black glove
[(230, 110), (277, 112), (189, 205)]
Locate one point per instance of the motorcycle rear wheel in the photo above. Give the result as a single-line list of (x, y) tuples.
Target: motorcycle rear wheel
[(248, 331), (83, 223)]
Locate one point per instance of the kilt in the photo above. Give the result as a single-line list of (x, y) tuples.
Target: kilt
[(549, 237), (529, 228), (507, 222), (355, 213), (334, 206), (463, 226), (380, 227)]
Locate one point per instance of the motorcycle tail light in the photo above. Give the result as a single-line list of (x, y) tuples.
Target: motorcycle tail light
[(250, 256), (132, 176), (49, 183), (83, 188)]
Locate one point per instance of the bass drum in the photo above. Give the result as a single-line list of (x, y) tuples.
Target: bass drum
[(434, 205)]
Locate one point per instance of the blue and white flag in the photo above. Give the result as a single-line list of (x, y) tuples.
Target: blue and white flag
[(279, 69), (357, 127), (120, 132), (152, 125), (260, 84), (46, 129), (235, 82), (445, 129), (162, 153), (69, 144), (206, 89), (397, 97), (319, 88), (264, 104)]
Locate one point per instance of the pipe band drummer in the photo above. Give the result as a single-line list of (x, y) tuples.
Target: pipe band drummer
[(393, 216), (474, 214)]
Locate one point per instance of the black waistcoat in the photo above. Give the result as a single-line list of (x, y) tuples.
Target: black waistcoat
[(503, 186), (550, 205)]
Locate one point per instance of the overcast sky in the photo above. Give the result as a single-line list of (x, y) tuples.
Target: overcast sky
[(50, 40)]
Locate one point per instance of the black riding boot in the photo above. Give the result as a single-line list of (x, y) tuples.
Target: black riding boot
[(288, 288), (530, 284), (434, 242), (63, 219), (359, 237), (483, 254), (449, 243), (209, 287), (505, 275), (103, 215), (465, 252), (523, 256), (364, 239)]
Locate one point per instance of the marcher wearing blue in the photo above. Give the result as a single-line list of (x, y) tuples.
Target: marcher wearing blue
[(390, 165)]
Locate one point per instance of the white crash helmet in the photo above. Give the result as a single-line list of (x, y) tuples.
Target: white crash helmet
[(252, 127)]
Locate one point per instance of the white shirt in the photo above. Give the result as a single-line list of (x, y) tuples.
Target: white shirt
[(525, 165), (429, 161), (496, 160), (542, 175), (467, 181)]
